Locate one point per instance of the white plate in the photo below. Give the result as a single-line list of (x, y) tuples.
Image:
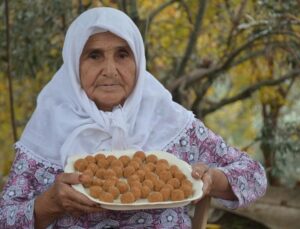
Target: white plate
[(142, 203)]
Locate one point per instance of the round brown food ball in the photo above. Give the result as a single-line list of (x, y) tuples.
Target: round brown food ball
[(148, 183), (177, 195), (122, 186), (186, 182), (100, 173), (127, 198), (108, 183), (136, 192), (161, 167), (118, 171), (168, 186), (187, 190), (117, 163), (145, 191), (166, 193), (151, 158), (158, 184), (150, 166), (141, 173), (174, 182), (174, 168), (109, 173), (155, 197), (151, 176), (162, 161), (140, 154), (86, 180), (88, 172), (165, 175), (111, 158), (106, 197), (97, 181), (134, 164), (103, 163), (128, 171), (95, 191), (93, 167), (124, 159), (114, 191), (133, 177), (100, 156), (135, 183), (90, 159), (80, 165), (179, 175)]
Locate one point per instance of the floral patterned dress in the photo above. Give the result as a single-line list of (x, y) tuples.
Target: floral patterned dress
[(31, 176)]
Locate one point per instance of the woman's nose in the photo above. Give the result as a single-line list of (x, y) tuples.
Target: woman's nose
[(110, 68)]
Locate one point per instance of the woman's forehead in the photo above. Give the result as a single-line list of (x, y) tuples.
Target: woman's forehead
[(106, 39)]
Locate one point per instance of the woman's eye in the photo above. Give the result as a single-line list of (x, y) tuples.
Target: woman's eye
[(123, 54), (94, 55)]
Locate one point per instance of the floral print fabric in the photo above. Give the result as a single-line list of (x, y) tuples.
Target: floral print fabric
[(31, 176)]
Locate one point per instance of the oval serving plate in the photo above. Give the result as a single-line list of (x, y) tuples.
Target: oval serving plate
[(141, 203)]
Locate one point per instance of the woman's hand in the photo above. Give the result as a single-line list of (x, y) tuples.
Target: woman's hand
[(62, 199), (215, 182), (203, 172)]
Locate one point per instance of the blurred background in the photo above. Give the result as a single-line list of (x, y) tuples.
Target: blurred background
[(234, 63)]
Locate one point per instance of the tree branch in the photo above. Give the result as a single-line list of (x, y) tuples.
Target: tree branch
[(8, 72), (250, 90)]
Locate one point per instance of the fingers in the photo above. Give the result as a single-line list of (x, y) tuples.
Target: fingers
[(207, 185), (68, 178), (198, 170)]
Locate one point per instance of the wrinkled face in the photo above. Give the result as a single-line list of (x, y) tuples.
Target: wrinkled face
[(107, 70)]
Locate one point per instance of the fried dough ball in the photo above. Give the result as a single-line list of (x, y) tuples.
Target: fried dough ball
[(150, 166), (133, 177), (155, 197), (95, 191), (145, 191), (127, 198), (117, 163), (122, 186), (187, 190), (168, 186), (114, 191), (165, 175), (136, 192), (124, 159), (148, 183), (151, 158), (90, 159), (100, 156), (93, 167), (106, 197), (186, 182), (88, 172), (151, 176), (141, 173), (177, 195), (128, 171), (118, 171), (80, 165), (109, 173), (162, 161), (111, 158), (135, 183), (174, 168), (179, 175), (108, 183), (166, 193), (135, 164), (158, 185), (103, 163), (86, 180), (97, 181), (140, 154), (174, 182), (161, 167), (100, 173)]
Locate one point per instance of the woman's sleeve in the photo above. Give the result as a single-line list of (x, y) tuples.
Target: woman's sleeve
[(246, 176), (27, 179)]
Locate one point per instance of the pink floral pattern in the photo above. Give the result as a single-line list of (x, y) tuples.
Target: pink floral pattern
[(31, 176)]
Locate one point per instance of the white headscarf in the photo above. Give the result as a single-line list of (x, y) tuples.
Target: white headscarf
[(66, 122)]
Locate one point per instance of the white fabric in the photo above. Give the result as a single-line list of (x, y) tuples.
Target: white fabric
[(67, 122)]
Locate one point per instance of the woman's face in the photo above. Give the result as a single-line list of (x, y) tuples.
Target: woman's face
[(107, 70)]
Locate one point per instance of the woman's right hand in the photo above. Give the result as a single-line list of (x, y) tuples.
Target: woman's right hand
[(62, 199)]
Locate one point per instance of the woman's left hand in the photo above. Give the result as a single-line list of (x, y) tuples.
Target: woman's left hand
[(203, 172)]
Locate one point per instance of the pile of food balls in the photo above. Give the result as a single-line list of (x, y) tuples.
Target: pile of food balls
[(127, 180)]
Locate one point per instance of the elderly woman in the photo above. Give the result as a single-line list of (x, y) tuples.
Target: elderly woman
[(102, 98)]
